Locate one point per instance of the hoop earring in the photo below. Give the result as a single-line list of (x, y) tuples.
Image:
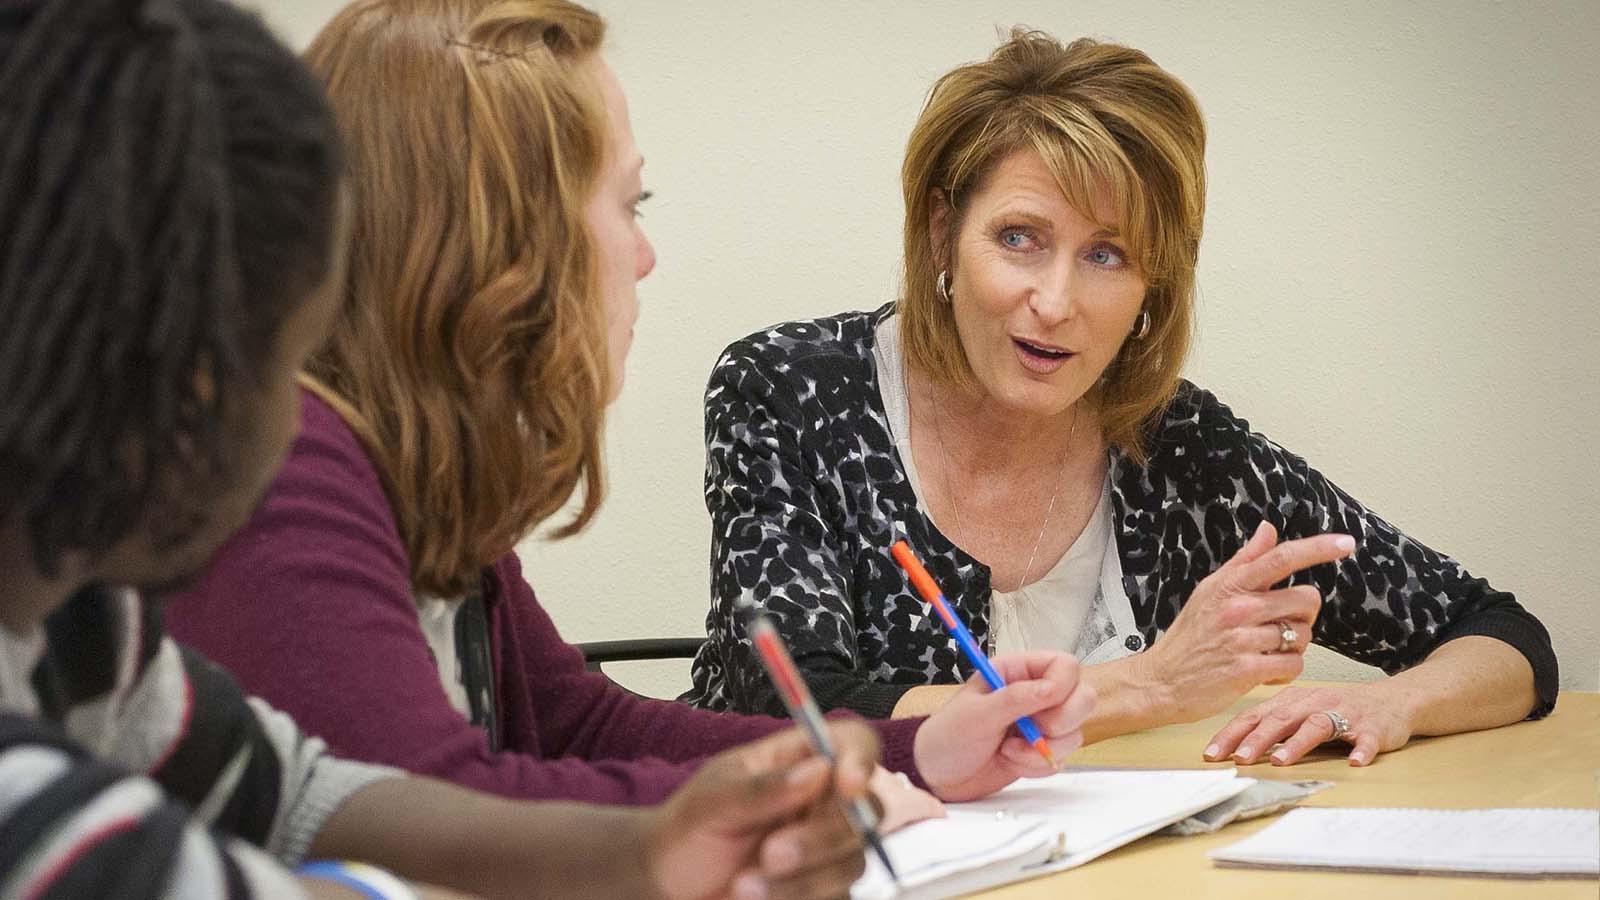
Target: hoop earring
[(943, 285), (1143, 330)]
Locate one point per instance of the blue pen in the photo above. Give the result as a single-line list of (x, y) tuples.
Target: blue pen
[(925, 585)]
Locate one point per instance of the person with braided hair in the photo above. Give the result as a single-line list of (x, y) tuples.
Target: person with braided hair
[(171, 241)]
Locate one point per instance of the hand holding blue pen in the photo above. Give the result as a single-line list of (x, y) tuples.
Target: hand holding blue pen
[(930, 592)]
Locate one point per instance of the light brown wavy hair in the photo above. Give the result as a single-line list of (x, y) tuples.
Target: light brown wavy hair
[(1103, 118), (471, 353)]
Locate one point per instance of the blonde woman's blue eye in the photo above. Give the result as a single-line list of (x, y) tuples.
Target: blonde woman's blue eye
[(1013, 238), (1105, 256)]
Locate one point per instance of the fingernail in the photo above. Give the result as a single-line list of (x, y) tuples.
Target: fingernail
[(803, 772), (1345, 543), (1358, 758), (1213, 752), (1242, 754), (750, 887), (1280, 756)]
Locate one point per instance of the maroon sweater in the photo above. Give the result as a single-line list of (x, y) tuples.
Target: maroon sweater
[(311, 607)]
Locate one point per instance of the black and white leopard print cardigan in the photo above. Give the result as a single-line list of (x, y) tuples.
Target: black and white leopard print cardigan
[(806, 493)]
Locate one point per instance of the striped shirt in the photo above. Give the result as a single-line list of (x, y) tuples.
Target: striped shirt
[(133, 768)]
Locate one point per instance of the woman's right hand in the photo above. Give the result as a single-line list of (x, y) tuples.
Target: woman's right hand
[(765, 819), (1226, 638), (970, 748)]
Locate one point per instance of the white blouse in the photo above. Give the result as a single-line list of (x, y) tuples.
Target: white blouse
[(437, 616)]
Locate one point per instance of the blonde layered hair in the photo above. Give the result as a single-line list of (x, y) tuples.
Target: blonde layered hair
[(471, 352), (1107, 122)]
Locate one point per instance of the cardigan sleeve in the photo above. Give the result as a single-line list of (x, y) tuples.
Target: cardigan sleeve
[(310, 606), (764, 490), (587, 715), (1395, 600)]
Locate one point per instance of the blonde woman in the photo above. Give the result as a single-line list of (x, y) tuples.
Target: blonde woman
[(1019, 416), (487, 313)]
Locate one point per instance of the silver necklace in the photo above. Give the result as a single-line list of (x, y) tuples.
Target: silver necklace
[(955, 507)]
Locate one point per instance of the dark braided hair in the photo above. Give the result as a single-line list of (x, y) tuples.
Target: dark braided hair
[(168, 188)]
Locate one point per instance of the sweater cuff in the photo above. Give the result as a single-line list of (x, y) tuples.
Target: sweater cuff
[(1524, 633), (334, 782), (898, 739)]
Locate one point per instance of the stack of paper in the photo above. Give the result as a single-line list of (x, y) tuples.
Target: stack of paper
[(1040, 826), (1517, 842)]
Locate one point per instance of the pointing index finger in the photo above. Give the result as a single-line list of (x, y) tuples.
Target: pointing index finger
[(1290, 557)]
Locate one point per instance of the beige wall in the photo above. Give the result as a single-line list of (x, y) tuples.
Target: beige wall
[(1397, 281)]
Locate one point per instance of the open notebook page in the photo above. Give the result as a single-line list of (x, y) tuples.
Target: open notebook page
[(1042, 825), (1527, 842), (931, 852), (1100, 810)]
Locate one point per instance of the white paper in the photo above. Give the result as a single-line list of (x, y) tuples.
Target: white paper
[(1482, 841), (928, 851), (1042, 825), (1099, 811)]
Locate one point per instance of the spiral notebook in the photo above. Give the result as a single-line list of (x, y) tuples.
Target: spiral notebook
[(1527, 843), (1041, 826)]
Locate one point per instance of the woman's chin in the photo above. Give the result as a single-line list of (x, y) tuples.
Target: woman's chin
[(1033, 399)]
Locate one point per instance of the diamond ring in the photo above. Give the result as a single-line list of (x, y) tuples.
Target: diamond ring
[(1287, 637), (1341, 725)]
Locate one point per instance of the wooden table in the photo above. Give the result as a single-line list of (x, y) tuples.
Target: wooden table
[(1552, 762)]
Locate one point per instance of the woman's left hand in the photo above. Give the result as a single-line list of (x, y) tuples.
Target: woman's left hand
[(1295, 717), (901, 801)]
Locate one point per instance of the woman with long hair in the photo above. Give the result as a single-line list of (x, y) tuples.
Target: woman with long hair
[(487, 314), (171, 247)]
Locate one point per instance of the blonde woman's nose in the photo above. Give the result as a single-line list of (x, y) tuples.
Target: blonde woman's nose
[(1055, 300), (647, 257)]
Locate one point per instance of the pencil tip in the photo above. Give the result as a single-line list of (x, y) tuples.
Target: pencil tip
[(883, 857)]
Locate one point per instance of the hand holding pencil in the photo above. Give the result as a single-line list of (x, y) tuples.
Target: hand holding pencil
[(765, 819), (803, 709)]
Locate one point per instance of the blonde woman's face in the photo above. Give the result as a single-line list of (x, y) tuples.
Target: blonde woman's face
[(1043, 296), (623, 254)]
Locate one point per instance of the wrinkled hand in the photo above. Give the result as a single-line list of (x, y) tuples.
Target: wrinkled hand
[(970, 748), (901, 802), (765, 820), (1225, 640), (1294, 717)]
